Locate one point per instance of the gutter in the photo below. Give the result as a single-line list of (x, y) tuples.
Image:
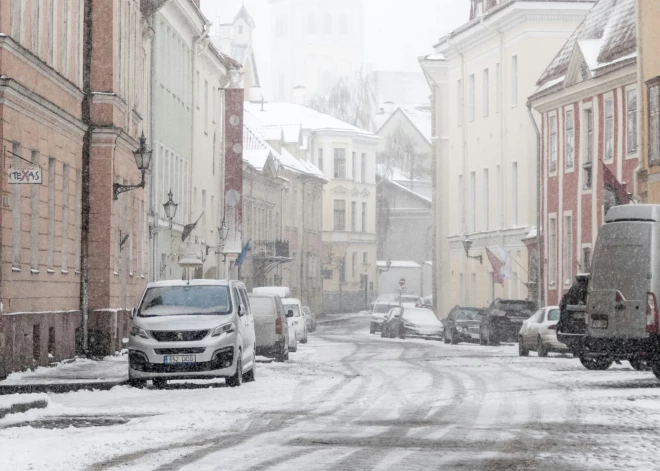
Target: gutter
[(539, 277)]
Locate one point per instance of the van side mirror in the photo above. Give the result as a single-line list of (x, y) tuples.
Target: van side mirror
[(289, 313), (133, 313), (241, 310)]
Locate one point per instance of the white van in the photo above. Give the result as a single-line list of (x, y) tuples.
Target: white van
[(294, 324), (192, 329), (270, 326), (293, 305), (622, 309)]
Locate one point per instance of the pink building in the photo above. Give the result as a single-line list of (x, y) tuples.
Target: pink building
[(588, 101)]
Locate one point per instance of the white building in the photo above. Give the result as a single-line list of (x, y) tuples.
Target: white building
[(347, 156), (485, 144)]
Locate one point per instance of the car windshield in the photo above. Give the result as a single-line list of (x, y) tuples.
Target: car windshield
[(523, 307), (553, 315), (185, 300), (262, 307), (292, 307), (383, 308)]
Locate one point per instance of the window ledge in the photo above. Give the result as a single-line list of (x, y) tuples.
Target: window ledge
[(34, 272), (77, 272), (50, 271), (116, 273), (65, 272), (130, 273), (15, 269)]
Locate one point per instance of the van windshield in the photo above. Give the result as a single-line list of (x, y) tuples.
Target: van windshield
[(185, 301)]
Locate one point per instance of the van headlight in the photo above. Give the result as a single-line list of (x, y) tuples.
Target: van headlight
[(223, 329), (139, 332)]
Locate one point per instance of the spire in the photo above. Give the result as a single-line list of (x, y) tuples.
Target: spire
[(244, 15)]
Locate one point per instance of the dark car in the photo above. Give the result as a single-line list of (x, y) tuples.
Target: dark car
[(462, 324), (405, 322), (572, 325), (503, 319)]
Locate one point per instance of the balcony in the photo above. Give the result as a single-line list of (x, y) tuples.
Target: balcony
[(270, 249)]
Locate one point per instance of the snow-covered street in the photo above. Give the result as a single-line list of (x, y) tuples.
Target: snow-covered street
[(350, 400)]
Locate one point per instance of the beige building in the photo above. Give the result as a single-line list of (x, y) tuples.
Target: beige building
[(485, 144)]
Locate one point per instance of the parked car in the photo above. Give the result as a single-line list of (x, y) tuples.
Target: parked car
[(539, 333), (310, 319), (270, 326), (462, 324), (503, 319), (380, 311), (622, 308), (405, 322), (192, 329), (405, 300), (297, 319), (283, 292)]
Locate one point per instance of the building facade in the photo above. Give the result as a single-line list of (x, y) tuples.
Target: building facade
[(589, 103), (315, 43), (488, 151)]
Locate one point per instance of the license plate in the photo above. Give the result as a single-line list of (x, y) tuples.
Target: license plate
[(179, 359), (599, 324)]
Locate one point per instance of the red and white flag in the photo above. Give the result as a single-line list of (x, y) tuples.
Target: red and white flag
[(497, 264)]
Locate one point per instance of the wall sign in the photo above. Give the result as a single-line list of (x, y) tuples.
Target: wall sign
[(25, 176)]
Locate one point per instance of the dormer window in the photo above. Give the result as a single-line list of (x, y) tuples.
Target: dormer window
[(240, 29)]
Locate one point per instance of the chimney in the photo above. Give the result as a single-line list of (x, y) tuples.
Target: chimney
[(300, 95), (389, 107)]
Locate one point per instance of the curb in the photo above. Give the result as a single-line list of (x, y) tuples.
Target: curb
[(23, 407), (58, 388)]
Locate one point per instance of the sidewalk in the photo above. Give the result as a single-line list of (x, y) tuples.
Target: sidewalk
[(79, 374), (15, 403)]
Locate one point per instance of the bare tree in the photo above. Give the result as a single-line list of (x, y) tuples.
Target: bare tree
[(401, 153)]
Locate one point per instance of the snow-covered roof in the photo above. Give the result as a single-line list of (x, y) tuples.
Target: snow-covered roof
[(289, 114), (420, 116), (400, 264), (408, 190), (606, 36)]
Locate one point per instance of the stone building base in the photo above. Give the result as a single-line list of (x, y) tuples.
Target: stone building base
[(29, 340)]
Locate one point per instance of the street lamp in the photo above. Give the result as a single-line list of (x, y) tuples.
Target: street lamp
[(388, 264), (143, 161), (223, 233), (467, 243), (170, 208)]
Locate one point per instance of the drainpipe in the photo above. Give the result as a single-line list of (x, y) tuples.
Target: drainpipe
[(539, 277), (155, 271), (640, 96)]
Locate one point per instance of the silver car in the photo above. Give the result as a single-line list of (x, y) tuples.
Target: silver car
[(197, 329)]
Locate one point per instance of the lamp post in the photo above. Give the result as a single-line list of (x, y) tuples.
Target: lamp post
[(467, 243), (170, 208), (388, 265), (143, 161)]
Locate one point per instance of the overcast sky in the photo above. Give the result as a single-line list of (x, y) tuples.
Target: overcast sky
[(396, 31)]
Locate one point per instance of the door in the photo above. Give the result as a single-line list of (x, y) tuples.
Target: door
[(250, 336), (242, 322)]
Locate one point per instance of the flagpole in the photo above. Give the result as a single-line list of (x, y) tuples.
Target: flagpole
[(517, 263)]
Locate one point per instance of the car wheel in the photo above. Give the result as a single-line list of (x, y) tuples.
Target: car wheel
[(445, 338), (252, 374), (639, 364), (454, 337), (492, 340), (137, 383), (655, 366), (372, 329), (284, 351), (237, 378), (540, 348), (522, 351), (159, 383), (402, 333), (598, 363), (295, 347), (304, 339)]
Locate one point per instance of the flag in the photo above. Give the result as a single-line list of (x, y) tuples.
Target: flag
[(619, 189), (241, 258), (497, 265), (188, 228)]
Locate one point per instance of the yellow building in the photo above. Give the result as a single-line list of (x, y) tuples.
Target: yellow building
[(649, 84)]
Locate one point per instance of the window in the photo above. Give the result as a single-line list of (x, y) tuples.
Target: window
[(65, 38), (514, 194), (553, 143), (319, 161), (340, 163), (552, 251), (363, 168), (36, 24), (206, 106), (365, 257), (340, 215), (586, 259), (461, 195), (50, 258), (65, 218), (570, 140), (198, 90), (78, 219), (354, 216), (568, 249), (327, 23), (631, 136), (311, 23), (589, 153), (473, 202), (609, 129), (486, 198), (471, 86), (654, 122), (17, 20), (486, 96), (498, 88), (364, 217), (354, 265), (343, 24), (459, 102), (34, 219), (514, 81), (354, 166), (342, 269)]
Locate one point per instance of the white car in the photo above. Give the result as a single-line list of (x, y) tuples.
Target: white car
[(190, 330), (539, 333), (298, 318)]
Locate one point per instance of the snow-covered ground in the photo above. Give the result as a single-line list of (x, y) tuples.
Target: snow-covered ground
[(350, 400)]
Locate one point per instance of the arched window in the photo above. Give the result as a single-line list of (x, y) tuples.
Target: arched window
[(327, 23), (343, 24), (311, 23)]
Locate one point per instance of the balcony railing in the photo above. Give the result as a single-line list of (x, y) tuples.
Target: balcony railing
[(270, 248)]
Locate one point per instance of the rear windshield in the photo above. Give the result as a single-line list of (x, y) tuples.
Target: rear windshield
[(521, 306), (383, 308), (468, 314), (263, 307), (292, 307), (409, 299), (553, 315), (185, 300)]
